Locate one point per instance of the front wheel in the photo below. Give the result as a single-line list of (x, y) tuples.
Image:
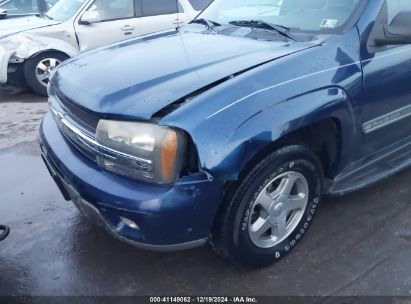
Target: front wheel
[(271, 209), (37, 70)]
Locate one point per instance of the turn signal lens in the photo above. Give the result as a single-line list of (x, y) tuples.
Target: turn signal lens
[(168, 154)]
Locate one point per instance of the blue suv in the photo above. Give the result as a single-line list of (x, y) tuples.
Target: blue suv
[(232, 128)]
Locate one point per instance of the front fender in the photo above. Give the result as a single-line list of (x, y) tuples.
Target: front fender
[(233, 121), (228, 139), (229, 152), (27, 45), (276, 122), (20, 47), (226, 143)]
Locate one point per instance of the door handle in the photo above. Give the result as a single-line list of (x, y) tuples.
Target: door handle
[(178, 21), (127, 28)]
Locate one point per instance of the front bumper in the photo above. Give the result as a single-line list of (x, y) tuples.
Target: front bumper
[(5, 56), (169, 218)]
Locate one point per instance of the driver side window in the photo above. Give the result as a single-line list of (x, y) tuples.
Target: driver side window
[(114, 9), (15, 7), (396, 6)]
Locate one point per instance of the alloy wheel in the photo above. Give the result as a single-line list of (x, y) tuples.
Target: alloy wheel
[(44, 69), (278, 209)]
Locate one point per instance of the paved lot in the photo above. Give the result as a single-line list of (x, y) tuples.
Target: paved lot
[(359, 245)]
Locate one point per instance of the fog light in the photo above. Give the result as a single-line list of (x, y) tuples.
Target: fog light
[(129, 223)]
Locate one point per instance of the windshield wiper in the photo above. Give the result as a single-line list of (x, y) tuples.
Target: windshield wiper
[(48, 17), (208, 23), (280, 29)]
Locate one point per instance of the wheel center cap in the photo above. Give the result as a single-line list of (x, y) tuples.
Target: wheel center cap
[(277, 209)]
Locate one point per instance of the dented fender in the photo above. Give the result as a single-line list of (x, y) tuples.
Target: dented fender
[(234, 121), (235, 144), (20, 47)]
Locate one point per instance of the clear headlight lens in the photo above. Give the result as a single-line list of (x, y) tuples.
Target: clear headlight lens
[(143, 151)]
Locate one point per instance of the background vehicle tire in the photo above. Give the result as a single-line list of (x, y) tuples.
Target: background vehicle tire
[(271, 209), (37, 70)]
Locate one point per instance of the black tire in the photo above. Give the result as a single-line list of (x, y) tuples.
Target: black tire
[(29, 70), (230, 235)]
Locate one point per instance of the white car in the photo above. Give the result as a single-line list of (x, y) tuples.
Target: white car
[(31, 47)]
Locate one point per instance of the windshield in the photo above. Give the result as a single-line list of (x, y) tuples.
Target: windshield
[(16, 7), (64, 9), (298, 15)]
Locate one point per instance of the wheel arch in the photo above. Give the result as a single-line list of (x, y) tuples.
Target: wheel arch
[(30, 45), (333, 138), (45, 51), (326, 146)]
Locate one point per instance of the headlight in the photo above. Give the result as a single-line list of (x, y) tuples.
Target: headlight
[(143, 151)]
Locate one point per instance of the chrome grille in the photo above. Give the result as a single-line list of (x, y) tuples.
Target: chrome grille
[(83, 141), (79, 115)]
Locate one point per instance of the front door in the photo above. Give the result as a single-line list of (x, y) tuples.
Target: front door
[(117, 19), (385, 112), (123, 19), (160, 15), (17, 8)]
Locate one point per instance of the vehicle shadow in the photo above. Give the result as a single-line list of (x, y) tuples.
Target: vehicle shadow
[(18, 94)]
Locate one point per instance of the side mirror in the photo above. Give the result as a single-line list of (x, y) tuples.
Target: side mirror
[(90, 17), (3, 14), (398, 32)]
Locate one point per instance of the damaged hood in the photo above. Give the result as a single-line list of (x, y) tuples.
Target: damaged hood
[(140, 77), (18, 25)]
